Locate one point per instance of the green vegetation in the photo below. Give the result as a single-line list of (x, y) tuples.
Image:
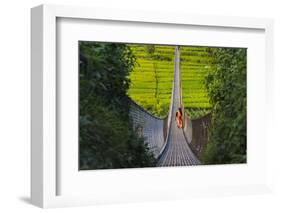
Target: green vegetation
[(213, 80), (226, 85), (152, 77), (106, 136), (196, 62)]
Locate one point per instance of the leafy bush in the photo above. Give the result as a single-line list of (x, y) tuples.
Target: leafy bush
[(226, 85), (195, 113), (106, 135)]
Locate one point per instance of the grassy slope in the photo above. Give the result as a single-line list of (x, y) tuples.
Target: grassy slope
[(159, 67), (196, 62), (151, 80)]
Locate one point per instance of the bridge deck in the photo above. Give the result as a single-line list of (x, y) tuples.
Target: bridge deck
[(177, 152)]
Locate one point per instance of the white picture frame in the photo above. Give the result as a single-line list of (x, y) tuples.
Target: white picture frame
[(44, 149)]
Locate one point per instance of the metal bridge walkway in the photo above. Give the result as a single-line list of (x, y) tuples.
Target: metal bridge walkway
[(164, 138), (177, 152)]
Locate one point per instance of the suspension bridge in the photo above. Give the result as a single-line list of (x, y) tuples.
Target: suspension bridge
[(169, 144)]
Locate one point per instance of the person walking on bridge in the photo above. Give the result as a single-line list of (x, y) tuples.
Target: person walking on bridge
[(179, 118)]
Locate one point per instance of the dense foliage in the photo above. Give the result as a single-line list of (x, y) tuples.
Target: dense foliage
[(226, 86), (106, 135)]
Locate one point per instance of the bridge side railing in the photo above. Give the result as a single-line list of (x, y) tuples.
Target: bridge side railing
[(187, 128), (196, 133), (148, 126)]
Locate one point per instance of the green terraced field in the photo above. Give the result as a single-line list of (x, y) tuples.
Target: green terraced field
[(196, 62), (152, 77)]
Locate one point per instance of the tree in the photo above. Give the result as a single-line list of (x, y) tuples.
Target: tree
[(226, 85), (106, 136)]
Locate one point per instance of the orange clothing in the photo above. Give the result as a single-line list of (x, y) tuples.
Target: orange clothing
[(179, 119)]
